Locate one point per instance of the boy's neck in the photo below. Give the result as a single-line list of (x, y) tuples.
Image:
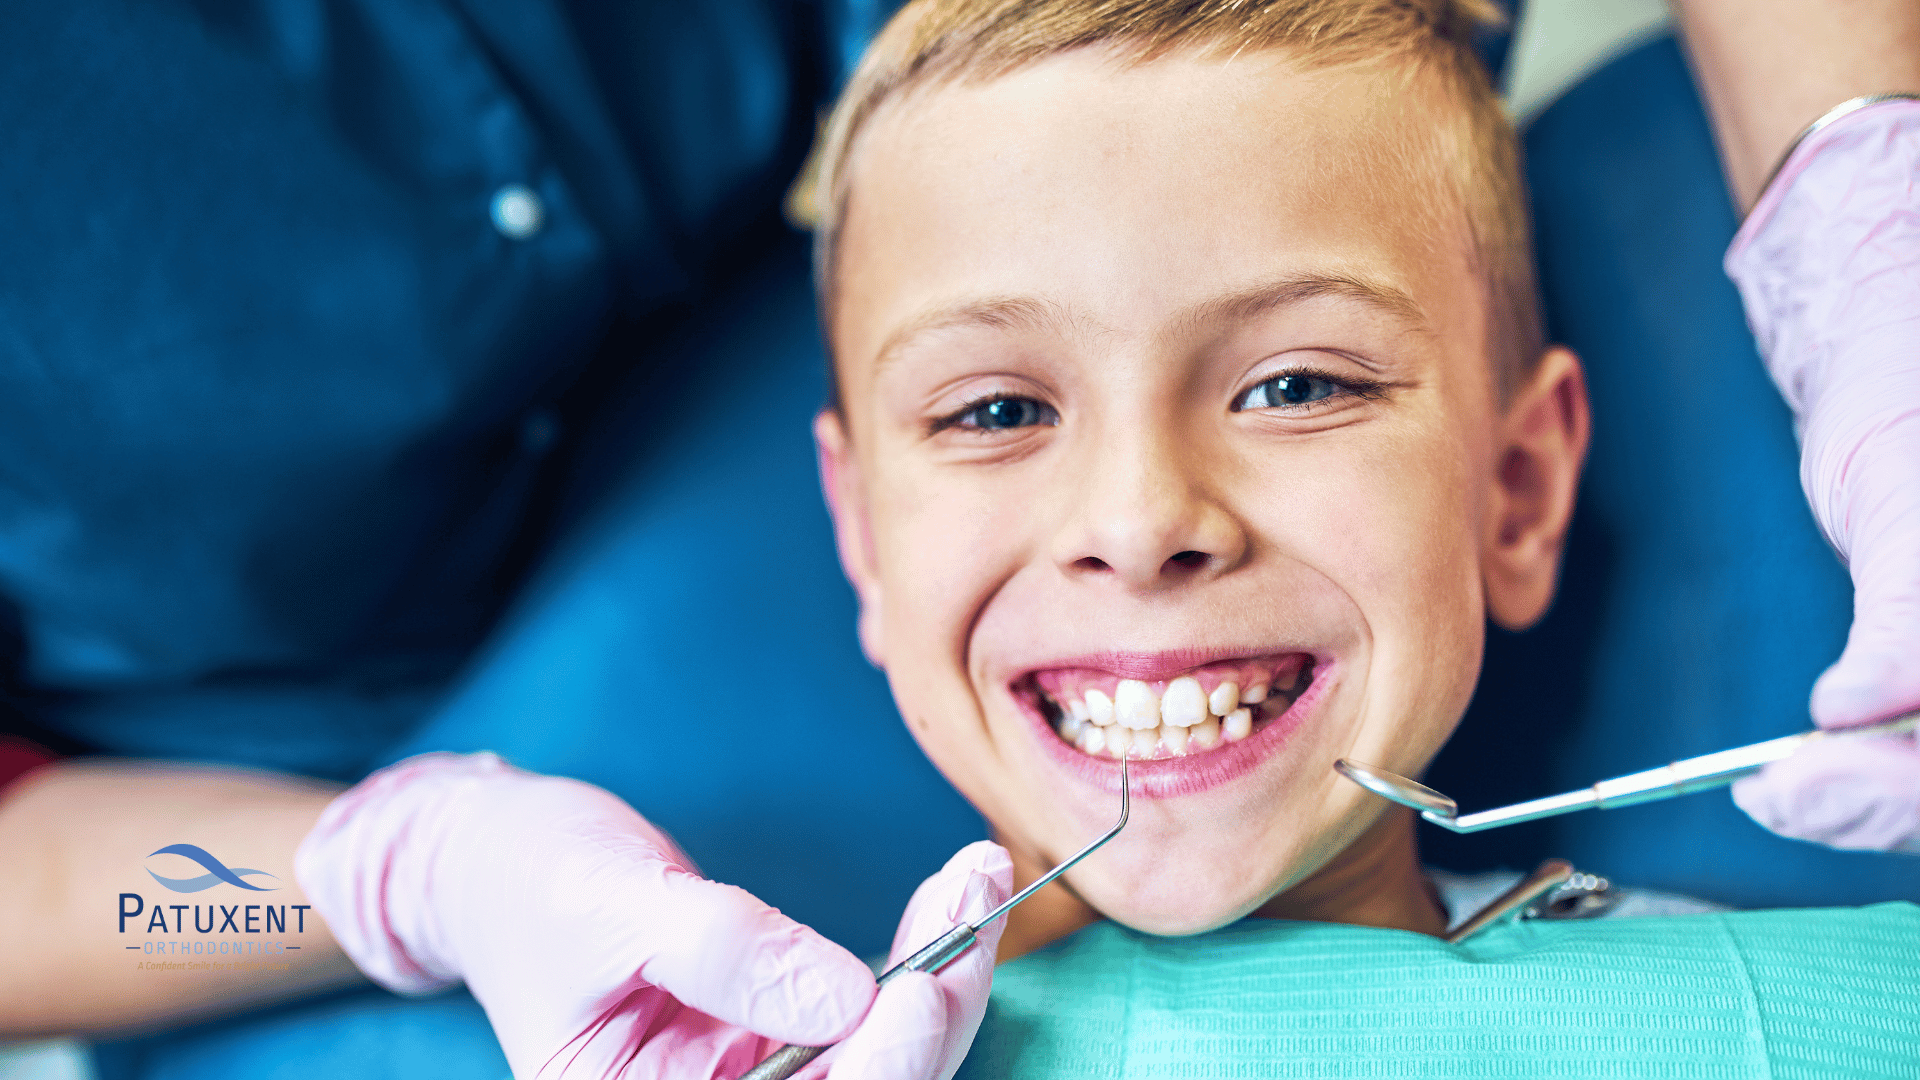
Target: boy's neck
[(1374, 881)]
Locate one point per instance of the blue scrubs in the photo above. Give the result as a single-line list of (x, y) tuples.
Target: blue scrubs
[(302, 305)]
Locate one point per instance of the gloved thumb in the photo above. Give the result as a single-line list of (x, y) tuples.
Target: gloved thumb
[(904, 1035), (921, 1028), (1854, 793), (1878, 675)]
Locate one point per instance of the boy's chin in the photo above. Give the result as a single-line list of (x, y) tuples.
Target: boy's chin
[(1176, 923), (1179, 907)]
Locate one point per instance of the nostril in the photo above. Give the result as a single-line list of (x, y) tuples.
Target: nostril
[(1189, 560), (1090, 563)]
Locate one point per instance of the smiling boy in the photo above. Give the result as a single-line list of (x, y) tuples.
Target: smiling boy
[(1192, 406)]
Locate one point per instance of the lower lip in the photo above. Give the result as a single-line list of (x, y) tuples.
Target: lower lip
[(1167, 778)]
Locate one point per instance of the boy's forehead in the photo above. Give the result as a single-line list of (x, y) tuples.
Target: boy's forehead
[(1117, 192)]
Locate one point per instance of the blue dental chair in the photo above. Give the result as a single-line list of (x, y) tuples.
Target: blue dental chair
[(692, 551)]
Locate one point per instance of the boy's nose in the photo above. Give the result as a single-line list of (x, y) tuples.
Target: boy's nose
[(1146, 518)]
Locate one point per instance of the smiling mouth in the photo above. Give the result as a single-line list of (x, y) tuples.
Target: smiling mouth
[(1103, 715)]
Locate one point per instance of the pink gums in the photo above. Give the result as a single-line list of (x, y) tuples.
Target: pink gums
[(1070, 683), (1166, 778)]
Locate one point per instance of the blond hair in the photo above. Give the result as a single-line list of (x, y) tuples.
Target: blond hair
[(930, 42)]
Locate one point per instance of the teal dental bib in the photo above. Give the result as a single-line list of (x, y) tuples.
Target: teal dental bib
[(1831, 992)]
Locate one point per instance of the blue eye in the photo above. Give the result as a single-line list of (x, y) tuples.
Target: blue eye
[(1002, 414), (1292, 389)]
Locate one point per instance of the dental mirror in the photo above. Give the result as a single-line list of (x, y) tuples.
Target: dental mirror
[(1396, 788)]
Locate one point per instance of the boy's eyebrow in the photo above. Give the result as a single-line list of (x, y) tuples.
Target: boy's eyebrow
[(1008, 313), (1292, 290)]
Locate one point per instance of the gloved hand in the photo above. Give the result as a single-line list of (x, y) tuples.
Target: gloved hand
[(599, 951), (1829, 266)]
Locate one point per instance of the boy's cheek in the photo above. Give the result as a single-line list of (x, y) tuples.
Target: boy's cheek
[(946, 547), (943, 716)]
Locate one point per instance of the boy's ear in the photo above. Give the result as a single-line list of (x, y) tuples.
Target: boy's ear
[(1542, 441), (852, 531)]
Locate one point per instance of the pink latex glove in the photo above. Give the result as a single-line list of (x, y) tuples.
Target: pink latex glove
[(596, 948), (1829, 266)]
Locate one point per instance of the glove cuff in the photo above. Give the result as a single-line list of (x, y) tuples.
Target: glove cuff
[(369, 866)]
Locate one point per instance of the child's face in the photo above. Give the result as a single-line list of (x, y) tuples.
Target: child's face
[(1171, 373)]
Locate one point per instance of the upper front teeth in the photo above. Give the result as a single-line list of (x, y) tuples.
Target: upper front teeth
[(1134, 705), (1183, 719), (1183, 705)]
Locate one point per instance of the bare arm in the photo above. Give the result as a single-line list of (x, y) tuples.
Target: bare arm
[(76, 836), (1768, 68)]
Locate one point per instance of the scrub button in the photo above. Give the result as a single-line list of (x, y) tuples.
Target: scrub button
[(518, 212)]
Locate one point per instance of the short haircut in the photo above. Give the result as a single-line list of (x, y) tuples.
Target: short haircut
[(935, 42)]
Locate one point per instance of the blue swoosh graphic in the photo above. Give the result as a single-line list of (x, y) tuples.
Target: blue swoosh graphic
[(216, 872), (206, 881)]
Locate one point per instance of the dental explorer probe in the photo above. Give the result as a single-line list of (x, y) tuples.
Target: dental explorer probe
[(1679, 778), (944, 950)]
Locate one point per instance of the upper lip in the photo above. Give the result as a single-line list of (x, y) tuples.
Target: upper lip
[(1155, 666)]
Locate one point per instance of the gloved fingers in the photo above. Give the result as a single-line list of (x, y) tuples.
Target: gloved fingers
[(903, 1036), (974, 882), (579, 926), (1861, 794), (720, 950), (1879, 673), (1869, 682)]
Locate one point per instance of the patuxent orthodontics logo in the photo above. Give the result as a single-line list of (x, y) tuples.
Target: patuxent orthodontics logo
[(210, 936)]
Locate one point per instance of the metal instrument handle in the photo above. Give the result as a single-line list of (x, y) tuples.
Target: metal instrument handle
[(784, 1062), (1549, 876), (1682, 777)]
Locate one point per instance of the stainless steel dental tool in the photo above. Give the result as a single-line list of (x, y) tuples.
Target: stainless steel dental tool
[(1679, 778), (944, 950)]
